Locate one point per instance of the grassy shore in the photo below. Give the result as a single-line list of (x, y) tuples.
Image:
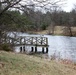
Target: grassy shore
[(58, 30), (22, 64)]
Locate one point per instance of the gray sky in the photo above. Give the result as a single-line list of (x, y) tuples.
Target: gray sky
[(66, 7), (69, 5)]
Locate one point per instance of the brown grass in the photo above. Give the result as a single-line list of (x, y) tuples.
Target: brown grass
[(59, 30), (22, 64)]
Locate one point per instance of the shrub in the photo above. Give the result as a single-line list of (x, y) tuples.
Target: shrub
[(5, 47)]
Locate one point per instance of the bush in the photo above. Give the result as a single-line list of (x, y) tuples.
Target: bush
[(43, 27), (5, 47)]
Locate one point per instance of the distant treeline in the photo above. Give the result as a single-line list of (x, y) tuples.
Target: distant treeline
[(36, 20)]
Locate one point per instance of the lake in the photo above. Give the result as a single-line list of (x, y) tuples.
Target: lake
[(61, 46)]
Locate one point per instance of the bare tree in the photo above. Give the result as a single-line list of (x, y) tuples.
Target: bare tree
[(21, 4), (25, 5), (6, 4)]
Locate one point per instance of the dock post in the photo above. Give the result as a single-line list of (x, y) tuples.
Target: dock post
[(32, 49), (23, 48), (20, 49), (35, 49), (42, 49), (46, 49)]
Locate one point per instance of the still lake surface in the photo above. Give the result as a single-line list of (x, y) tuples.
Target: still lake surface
[(61, 46)]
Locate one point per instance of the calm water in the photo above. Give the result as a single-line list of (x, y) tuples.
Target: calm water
[(60, 46)]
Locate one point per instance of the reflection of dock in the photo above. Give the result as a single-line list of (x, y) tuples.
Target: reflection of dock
[(29, 41)]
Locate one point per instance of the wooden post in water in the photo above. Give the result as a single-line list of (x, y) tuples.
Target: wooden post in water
[(42, 49), (20, 49), (35, 49), (46, 49), (32, 49), (23, 48)]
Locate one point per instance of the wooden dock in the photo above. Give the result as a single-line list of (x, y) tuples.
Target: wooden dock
[(29, 41)]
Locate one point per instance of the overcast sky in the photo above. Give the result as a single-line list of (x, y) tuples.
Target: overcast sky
[(69, 5), (66, 7)]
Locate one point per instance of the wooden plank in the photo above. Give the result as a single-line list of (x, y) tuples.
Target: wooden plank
[(31, 45)]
